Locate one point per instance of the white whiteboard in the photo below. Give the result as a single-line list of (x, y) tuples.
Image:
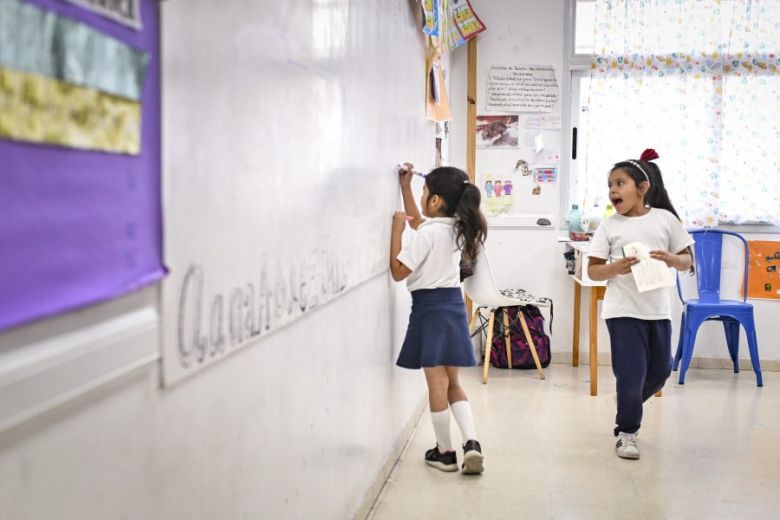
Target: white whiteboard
[(282, 122)]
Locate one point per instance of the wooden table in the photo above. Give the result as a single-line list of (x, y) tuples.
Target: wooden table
[(596, 290)]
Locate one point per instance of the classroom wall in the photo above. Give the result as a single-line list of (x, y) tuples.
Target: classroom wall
[(289, 430), (532, 32)]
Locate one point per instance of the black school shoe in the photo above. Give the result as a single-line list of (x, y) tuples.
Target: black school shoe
[(443, 461), (472, 458)]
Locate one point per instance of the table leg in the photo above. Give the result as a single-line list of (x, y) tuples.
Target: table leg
[(575, 348), (593, 340)]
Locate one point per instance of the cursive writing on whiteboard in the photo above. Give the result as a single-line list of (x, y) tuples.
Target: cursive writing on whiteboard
[(209, 324)]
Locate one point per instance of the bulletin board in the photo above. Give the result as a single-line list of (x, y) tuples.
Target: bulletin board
[(764, 270), (80, 149)]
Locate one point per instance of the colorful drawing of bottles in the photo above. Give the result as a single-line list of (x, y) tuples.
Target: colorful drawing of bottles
[(508, 188), (489, 187), (498, 188)]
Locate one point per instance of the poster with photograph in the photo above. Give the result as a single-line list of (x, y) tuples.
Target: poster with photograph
[(497, 131)]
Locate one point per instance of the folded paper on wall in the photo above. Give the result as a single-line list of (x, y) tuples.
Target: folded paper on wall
[(45, 110)]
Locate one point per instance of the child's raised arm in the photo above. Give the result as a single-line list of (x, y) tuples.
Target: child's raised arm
[(398, 270), (410, 205)]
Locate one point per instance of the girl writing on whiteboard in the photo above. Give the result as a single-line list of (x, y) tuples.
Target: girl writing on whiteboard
[(639, 324), (437, 339)]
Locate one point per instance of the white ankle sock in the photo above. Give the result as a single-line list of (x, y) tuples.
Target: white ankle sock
[(441, 427), (462, 412)]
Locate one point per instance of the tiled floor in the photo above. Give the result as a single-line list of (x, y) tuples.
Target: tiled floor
[(710, 450)]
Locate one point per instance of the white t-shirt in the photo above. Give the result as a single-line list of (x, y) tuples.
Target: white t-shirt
[(432, 255), (658, 229)]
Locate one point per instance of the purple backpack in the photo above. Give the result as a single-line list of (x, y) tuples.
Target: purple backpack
[(521, 354)]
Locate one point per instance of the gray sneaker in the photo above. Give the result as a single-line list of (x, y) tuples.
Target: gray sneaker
[(626, 447), (472, 458)]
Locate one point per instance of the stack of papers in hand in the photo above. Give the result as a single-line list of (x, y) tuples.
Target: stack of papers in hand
[(649, 273)]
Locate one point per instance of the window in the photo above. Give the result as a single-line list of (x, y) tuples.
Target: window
[(707, 99)]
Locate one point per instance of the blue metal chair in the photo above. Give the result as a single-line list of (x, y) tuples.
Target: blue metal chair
[(708, 306)]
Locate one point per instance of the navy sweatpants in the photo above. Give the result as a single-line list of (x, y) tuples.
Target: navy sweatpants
[(641, 362)]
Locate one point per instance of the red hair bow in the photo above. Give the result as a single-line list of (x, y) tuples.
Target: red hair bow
[(648, 155)]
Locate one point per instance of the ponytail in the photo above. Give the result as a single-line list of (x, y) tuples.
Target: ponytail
[(461, 200), (470, 224), (658, 197)]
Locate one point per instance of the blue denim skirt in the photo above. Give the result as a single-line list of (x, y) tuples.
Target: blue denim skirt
[(438, 332)]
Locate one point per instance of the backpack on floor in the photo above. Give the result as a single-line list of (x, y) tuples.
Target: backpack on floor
[(521, 354)]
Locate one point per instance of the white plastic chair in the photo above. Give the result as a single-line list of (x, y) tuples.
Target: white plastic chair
[(482, 289)]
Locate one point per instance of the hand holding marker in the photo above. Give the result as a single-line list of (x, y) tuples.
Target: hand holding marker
[(404, 168), (408, 168)]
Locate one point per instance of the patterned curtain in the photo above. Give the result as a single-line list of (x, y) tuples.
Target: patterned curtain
[(699, 81)]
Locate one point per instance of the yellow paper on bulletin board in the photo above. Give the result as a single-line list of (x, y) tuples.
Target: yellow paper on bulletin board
[(42, 109), (764, 270)]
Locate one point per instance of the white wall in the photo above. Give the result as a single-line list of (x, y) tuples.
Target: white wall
[(298, 426), (532, 32)]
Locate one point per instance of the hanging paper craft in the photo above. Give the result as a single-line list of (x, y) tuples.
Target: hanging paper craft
[(461, 23), (430, 9)]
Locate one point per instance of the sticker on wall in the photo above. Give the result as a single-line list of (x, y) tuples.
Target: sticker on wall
[(522, 167), (545, 175)]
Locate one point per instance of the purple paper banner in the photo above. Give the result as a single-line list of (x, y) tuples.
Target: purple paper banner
[(79, 227)]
